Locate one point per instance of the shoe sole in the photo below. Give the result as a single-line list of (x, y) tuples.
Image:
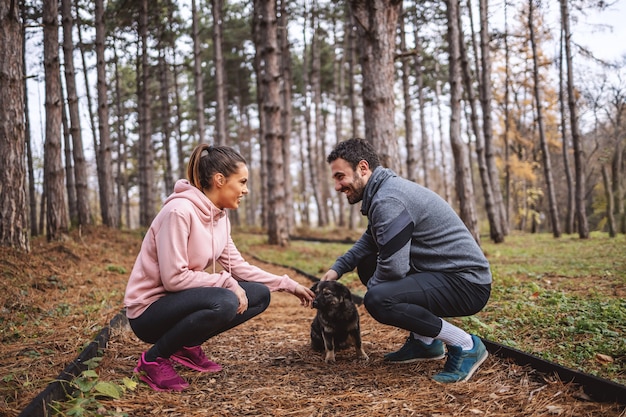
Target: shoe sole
[(214, 367), (412, 360)]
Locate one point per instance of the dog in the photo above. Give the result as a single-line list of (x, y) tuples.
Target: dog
[(336, 323)]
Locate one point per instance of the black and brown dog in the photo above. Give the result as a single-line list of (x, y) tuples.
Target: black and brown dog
[(336, 324)]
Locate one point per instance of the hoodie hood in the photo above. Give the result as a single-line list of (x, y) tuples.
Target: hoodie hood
[(205, 208), (378, 177)]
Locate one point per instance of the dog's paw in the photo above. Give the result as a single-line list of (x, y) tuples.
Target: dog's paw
[(330, 357), (363, 356)]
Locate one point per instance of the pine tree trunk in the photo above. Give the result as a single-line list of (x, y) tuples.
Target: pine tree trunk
[(565, 151), (197, 73), (545, 150), (376, 22), (146, 153), (464, 187), (286, 113), (317, 148), (78, 154), (54, 175), (411, 163), (485, 100), (579, 157), (13, 205), (273, 137), (492, 214), (104, 152), (220, 89)]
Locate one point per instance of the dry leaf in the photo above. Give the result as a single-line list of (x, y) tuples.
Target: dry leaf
[(604, 358)]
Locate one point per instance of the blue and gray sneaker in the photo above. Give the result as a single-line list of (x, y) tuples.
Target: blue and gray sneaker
[(415, 350), (462, 364)]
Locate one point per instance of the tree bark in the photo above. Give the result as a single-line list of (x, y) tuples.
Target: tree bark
[(146, 153), (565, 151), (376, 22), (286, 113), (274, 139), (462, 171), (579, 157), (13, 204), (317, 147), (54, 175), (197, 73), (486, 100), (411, 163), (220, 90), (78, 153), (545, 150), (495, 228), (104, 152)]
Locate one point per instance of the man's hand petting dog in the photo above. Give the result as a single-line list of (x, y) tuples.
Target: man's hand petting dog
[(336, 323)]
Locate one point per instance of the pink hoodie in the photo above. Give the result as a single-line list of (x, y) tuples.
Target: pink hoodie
[(188, 235)]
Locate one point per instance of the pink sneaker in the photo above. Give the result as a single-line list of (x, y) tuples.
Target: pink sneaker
[(194, 358), (160, 375)]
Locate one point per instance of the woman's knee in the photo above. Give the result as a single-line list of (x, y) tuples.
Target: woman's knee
[(258, 294)]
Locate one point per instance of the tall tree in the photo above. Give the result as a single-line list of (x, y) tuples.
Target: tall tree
[(13, 205), (411, 162), (78, 154), (285, 112), (486, 101), (495, 228), (197, 72), (376, 22), (565, 149), (579, 157), (32, 203), (545, 150), (218, 57), (273, 137), (54, 174), (104, 151), (317, 148), (462, 171), (146, 151)]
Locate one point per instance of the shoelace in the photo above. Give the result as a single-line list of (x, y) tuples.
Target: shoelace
[(166, 370)]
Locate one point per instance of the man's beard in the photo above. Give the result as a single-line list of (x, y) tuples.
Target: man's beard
[(357, 190)]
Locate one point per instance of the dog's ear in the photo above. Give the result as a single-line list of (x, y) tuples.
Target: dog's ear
[(314, 287)]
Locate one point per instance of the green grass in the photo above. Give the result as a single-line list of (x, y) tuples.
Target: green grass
[(561, 299)]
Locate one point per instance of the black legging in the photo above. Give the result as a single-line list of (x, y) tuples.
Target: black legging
[(193, 316), (418, 301)]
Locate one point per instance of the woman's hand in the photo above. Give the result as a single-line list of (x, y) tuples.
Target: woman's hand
[(243, 299), (305, 295)]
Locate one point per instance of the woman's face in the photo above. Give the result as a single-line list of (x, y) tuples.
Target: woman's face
[(232, 189)]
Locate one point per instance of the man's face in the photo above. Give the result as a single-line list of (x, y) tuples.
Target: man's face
[(347, 180)]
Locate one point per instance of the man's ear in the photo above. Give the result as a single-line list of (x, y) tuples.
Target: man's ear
[(363, 166)]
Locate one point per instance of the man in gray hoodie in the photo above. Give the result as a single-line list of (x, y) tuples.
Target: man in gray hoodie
[(418, 260)]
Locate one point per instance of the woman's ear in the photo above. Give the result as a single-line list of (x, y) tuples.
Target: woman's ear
[(219, 179)]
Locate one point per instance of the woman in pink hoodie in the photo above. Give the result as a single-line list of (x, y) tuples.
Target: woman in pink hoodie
[(172, 301)]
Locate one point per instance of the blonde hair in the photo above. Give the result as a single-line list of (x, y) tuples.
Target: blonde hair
[(207, 160)]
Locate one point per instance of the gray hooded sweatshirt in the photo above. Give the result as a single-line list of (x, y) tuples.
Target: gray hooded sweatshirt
[(412, 229)]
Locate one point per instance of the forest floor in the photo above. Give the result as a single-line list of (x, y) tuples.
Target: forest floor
[(54, 300)]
